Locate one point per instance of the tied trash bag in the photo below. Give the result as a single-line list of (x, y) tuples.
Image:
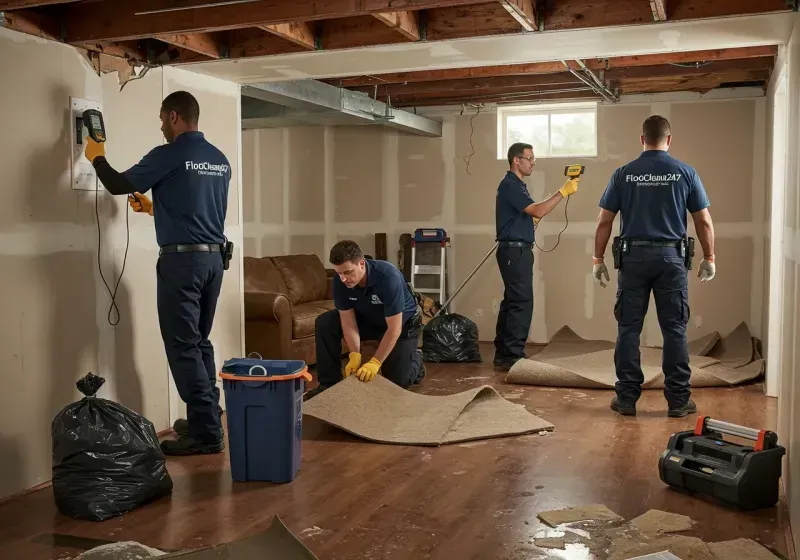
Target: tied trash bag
[(450, 337), (106, 458)]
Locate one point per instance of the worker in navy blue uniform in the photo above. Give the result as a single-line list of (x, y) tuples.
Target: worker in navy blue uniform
[(189, 179), (515, 213), (373, 302), (653, 195)]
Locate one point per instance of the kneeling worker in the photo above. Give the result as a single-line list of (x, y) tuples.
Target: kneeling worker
[(373, 302), (189, 179)]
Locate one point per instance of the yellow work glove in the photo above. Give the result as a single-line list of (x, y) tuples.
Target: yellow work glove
[(93, 149), (140, 203), (570, 187), (353, 365), (368, 370)]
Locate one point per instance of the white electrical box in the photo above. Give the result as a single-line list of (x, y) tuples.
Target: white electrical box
[(83, 176)]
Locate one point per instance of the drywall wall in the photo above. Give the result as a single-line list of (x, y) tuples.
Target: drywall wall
[(55, 325), (788, 347), (364, 180)]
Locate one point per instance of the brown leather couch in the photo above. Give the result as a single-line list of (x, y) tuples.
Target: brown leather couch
[(283, 296)]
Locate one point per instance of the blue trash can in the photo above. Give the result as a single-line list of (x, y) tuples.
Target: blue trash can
[(264, 407)]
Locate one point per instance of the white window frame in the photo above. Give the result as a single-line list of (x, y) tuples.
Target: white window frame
[(544, 109)]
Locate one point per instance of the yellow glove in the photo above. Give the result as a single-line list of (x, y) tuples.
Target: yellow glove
[(93, 149), (570, 187), (368, 370), (353, 365), (140, 203)]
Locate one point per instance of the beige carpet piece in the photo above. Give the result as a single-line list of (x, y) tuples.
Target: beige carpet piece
[(571, 361), (685, 548), (383, 412), (740, 549), (594, 512), (655, 522)]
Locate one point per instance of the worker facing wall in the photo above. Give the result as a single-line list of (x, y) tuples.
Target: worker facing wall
[(376, 180)]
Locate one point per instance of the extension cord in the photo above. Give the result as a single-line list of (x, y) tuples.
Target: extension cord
[(124, 260), (558, 239)]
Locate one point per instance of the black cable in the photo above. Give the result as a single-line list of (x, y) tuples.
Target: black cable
[(124, 260), (558, 239)]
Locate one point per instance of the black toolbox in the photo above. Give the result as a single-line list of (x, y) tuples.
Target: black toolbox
[(744, 477)]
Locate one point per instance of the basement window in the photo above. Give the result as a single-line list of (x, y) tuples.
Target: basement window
[(563, 130)]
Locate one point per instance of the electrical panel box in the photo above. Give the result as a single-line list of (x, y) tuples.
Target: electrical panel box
[(83, 176)]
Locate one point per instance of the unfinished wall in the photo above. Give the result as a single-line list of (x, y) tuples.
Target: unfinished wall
[(55, 305), (789, 344), (378, 180)]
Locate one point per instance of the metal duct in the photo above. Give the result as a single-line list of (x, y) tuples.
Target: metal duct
[(288, 103)]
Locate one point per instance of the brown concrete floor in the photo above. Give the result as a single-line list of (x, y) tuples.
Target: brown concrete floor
[(357, 500)]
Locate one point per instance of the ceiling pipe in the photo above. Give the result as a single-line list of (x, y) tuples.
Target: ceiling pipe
[(592, 82)]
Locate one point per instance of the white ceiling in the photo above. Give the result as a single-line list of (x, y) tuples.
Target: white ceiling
[(718, 33)]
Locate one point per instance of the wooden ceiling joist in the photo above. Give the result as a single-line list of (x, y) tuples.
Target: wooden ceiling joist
[(406, 23), (6, 5), (524, 11), (133, 19), (206, 44), (301, 33), (659, 9), (555, 67)]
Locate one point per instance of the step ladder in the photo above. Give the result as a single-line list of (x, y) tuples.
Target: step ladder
[(434, 235)]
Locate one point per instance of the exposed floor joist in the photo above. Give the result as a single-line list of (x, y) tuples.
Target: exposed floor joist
[(659, 9), (524, 11), (300, 33), (406, 23)]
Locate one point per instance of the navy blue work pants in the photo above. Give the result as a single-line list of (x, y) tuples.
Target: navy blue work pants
[(516, 309), (661, 270), (187, 291), (402, 366)]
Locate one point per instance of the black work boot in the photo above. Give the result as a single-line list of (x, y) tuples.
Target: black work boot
[(684, 410), (422, 371), (623, 408), (186, 445), (181, 425)]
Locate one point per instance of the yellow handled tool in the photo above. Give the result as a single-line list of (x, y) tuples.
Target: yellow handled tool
[(574, 171)]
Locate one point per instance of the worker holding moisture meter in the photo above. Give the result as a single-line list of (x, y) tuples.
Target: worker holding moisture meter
[(189, 179), (515, 212), (653, 253)]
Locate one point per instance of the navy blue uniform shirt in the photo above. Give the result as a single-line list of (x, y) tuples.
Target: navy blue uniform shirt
[(512, 223), (189, 179), (652, 194), (386, 294)]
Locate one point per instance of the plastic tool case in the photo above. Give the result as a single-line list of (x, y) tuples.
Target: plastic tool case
[(741, 476)]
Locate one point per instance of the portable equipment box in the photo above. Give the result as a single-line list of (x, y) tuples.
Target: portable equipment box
[(264, 406), (701, 461)]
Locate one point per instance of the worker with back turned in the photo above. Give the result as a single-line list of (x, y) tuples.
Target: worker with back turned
[(189, 179), (515, 212), (653, 194)]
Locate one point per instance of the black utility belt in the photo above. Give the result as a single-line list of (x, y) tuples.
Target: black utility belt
[(621, 246), (523, 244), (225, 248)]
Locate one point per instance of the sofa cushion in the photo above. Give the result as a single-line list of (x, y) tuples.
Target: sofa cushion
[(304, 276), (305, 314), (261, 275)]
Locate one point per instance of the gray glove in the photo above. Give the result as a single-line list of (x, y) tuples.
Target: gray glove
[(598, 271), (706, 271)]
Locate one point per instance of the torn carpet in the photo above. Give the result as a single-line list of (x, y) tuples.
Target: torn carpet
[(571, 361), (383, 412)]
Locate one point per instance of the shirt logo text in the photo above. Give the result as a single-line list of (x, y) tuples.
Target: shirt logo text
[(206, 168), (651, 179)]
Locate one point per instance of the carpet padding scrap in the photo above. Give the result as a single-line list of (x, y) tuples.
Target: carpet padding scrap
[(571, 361), (383, 412)]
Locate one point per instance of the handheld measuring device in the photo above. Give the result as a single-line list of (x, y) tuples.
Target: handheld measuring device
[(93, 121), (574, 171)]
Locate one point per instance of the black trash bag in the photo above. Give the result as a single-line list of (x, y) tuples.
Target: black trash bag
[(450, 337), (106, 458)]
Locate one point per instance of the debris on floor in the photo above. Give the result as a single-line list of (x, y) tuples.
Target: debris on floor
[(121, 551), (607, 535), (595, 512), (657, 522)]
